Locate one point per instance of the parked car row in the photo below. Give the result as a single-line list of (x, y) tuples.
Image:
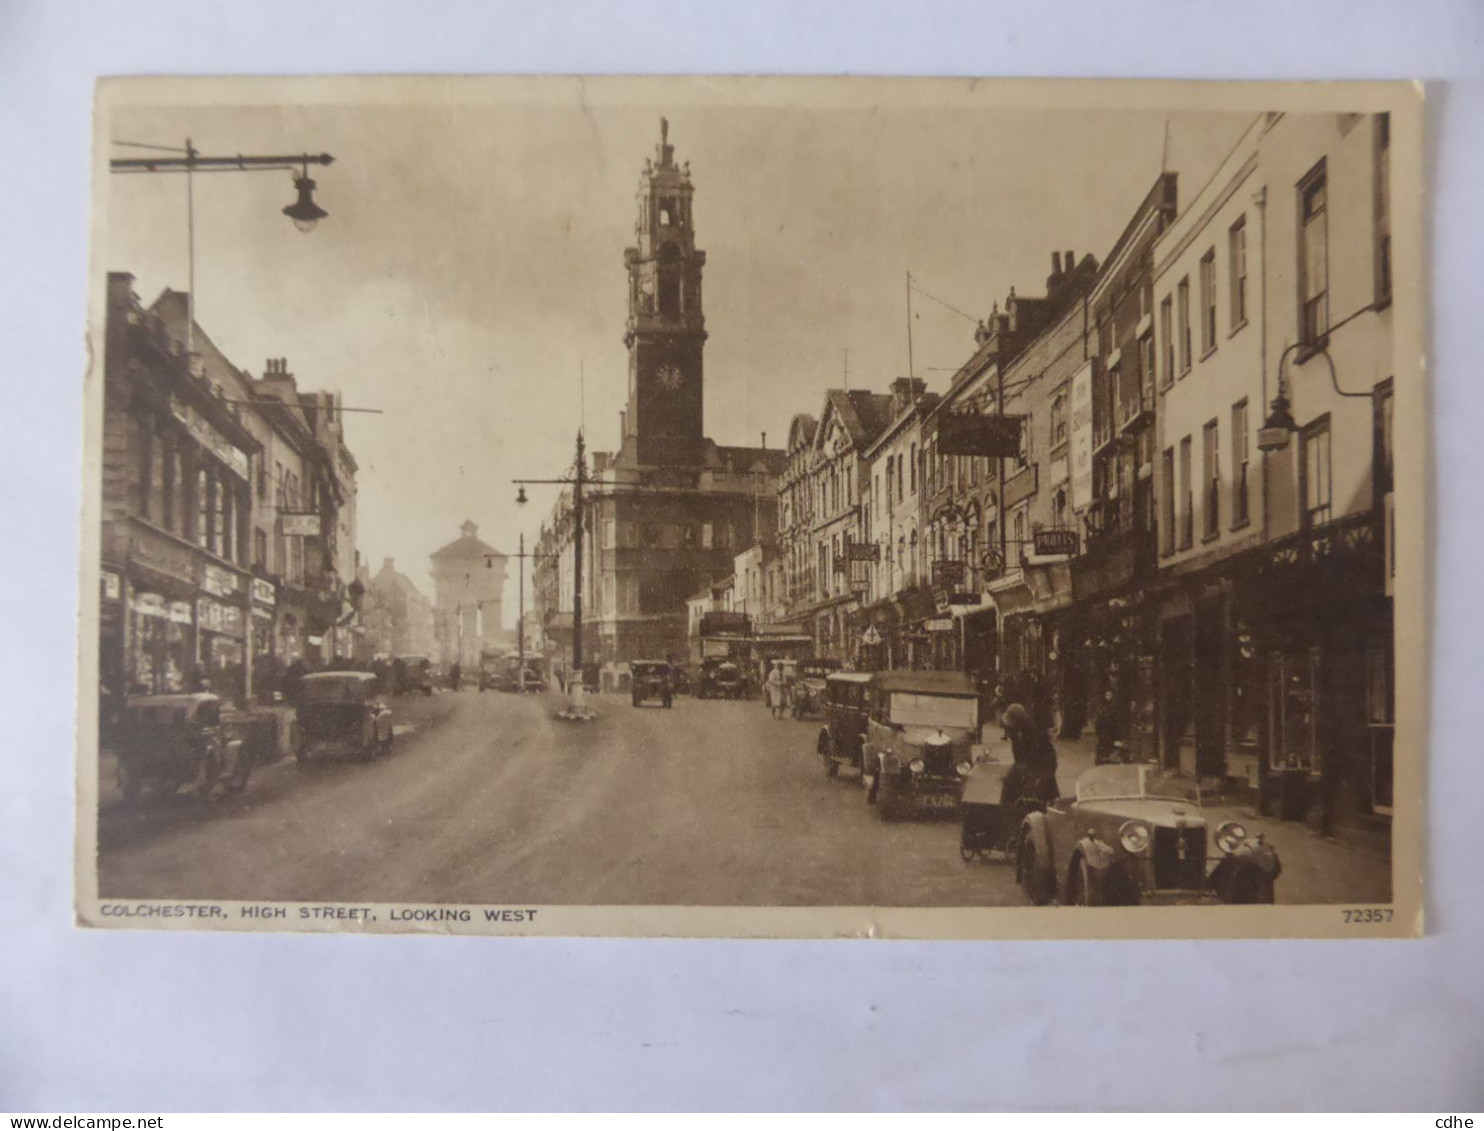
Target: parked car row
[(1129, 834), (170, 743)]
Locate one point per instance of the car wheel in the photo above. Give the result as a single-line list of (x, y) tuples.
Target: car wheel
[(1029, 874)]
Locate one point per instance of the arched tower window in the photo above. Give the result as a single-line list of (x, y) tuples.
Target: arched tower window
[(669, 279)]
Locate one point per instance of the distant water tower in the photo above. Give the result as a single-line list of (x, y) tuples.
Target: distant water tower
[(468, 594)]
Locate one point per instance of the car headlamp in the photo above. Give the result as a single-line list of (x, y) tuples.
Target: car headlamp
[(963, 769), (917, 765), (1231, 836), (1134, 836)]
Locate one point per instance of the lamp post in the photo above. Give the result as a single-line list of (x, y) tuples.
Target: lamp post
[(577, 481), (304, 212)]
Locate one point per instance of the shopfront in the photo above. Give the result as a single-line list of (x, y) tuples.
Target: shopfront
[(1314, 636)]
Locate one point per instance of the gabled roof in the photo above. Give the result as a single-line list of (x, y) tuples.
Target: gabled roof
[(862, 413), (801, 429)]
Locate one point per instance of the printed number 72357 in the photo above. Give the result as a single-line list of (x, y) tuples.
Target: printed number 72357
[(1367, 915)]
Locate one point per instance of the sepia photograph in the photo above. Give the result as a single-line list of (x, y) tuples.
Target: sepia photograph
[(754, 507)]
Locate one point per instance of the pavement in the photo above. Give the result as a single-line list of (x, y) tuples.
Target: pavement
[(489, 798)]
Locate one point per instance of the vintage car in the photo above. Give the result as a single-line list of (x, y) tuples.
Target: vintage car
[(922, 727), (340, 714), (167, 742), (493, 672), (806, 693), (847, 707), (720, 679), (412, 673), (650, 680), (1135, 834)]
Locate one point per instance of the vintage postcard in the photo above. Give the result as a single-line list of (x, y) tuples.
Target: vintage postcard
[(755, 507)]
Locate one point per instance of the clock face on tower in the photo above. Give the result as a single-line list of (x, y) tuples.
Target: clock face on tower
[(670, 378)]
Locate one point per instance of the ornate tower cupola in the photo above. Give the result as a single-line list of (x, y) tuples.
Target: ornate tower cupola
[(666, 329)]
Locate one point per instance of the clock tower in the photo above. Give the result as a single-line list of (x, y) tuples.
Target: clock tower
[(665, 330)]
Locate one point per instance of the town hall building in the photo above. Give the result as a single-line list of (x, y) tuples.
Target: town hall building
[(669, 510)]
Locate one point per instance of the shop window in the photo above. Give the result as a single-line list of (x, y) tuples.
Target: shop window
[(1292, 710)]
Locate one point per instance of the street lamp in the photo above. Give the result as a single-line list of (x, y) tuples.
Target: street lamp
[(304, 212), (1273, 436), (577, 481)]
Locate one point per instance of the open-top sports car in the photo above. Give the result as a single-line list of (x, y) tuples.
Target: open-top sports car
[(1135, 834)]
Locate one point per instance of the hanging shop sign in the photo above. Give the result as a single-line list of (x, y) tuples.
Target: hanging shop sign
[(1082, 438), (217, 581), (112, 586), (149, 605), (871, 637), (299, 525), (262, 592), (1052, 543), (179, 612), (948, 573), (206, 434), (862, 552), (941, 624), (973, 434)]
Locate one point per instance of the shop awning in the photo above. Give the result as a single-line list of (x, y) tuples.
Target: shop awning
[(916, 604), (1050, 586), (1011, 595)]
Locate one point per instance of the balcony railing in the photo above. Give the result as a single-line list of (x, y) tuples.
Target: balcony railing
[(1136, 411)]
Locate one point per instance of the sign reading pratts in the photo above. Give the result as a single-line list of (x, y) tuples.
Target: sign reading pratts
[(285, 573)]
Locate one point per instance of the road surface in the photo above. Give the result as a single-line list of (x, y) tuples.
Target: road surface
[(489, 799)]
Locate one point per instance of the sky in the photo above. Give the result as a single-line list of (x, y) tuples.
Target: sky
[(469, 280)]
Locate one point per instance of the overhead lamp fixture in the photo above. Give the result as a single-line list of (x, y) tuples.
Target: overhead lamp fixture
[(1274, 433), (304, 212)]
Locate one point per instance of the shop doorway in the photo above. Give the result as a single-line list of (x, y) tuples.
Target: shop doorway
[(1209, 701)]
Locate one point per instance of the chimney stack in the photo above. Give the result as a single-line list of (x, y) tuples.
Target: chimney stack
[(1055, 263), (1069, 260), (765, 441)]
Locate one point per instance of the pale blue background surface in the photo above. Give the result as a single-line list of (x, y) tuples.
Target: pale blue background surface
[(152, 1021)]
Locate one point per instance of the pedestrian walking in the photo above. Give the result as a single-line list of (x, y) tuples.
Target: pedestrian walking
[(776, 691), (1112, 727)]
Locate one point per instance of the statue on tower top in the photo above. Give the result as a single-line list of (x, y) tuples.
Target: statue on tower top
[(666, 150)]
